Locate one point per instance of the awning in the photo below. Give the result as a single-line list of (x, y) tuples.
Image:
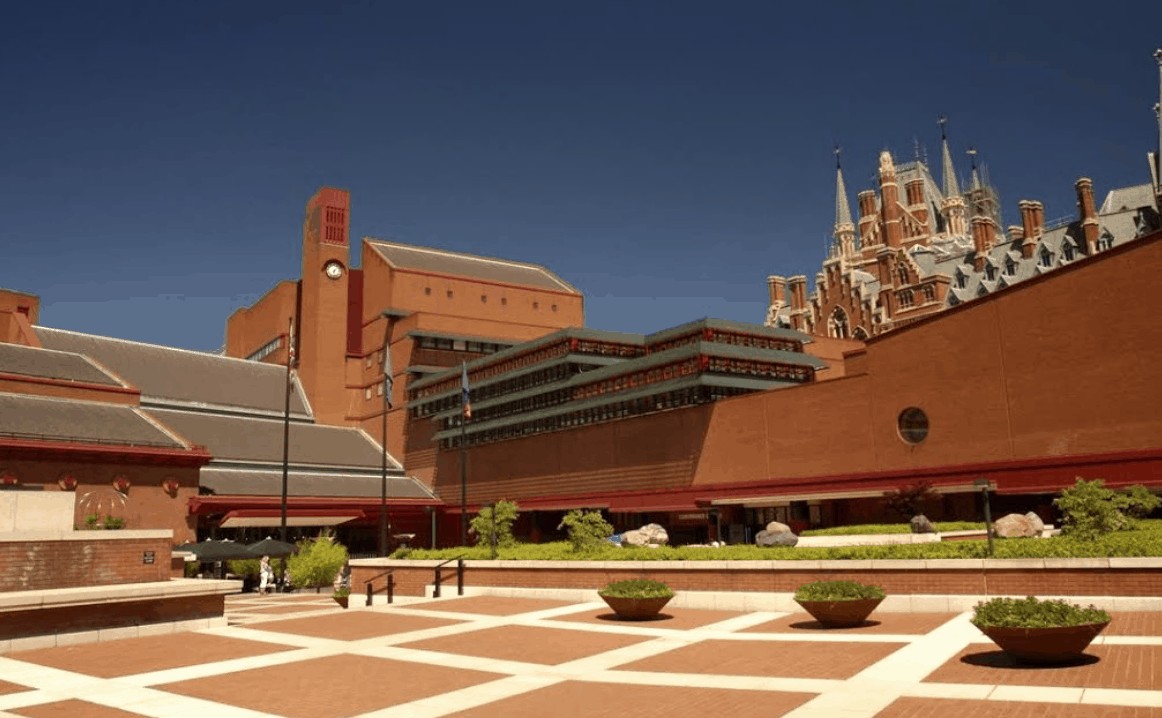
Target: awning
[(785, 499), (264, 518)]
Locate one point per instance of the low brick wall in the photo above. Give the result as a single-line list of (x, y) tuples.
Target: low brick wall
[(70, 619), (965, 577), (32, 561)]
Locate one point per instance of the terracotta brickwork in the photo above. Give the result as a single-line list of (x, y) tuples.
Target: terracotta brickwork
[(249, 329), (38, 564), (68, 619), (775, 577)]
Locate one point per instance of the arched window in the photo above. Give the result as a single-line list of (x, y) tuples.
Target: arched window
[(859, 334), (903, 272), (929, 293), (837, 325)]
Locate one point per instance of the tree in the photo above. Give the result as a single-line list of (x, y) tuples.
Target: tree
[(1089, 509), (587, 529), (1137, 502), (908, 501), (493, 525), (317, 562)]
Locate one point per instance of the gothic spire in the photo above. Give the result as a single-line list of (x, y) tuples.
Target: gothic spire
[(951, 186), (975, 174), (842, 208), (1158, 112)]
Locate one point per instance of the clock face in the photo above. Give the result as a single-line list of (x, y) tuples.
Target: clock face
[(334, 270)]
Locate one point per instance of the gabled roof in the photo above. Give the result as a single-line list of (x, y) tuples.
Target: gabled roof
[(166, 374), (49, 419), (1128, 198), (257, 482), (49, 364), (244, 439), (442, 261)]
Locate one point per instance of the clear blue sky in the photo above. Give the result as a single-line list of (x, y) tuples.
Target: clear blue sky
[(664, 157)]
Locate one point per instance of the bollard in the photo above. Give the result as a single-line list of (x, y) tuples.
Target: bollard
[(390, 588), (436, 588), (459, 577), (368, 593)]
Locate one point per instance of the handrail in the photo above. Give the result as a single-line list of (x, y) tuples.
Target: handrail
[(389, 586), (459, 576)]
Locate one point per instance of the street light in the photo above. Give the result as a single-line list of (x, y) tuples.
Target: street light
[(983, 484), (387, 384)]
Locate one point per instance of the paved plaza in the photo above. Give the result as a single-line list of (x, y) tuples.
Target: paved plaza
[(302, 656)]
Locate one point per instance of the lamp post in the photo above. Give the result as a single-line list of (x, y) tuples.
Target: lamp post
[(983, 485), (290, 360), (387, 384)]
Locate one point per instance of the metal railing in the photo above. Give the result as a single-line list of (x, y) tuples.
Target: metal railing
[(389, 586), (459, 576)]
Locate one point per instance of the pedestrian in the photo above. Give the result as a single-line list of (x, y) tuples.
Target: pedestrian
[(265, 575)]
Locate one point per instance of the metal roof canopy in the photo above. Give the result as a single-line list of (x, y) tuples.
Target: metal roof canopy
[(784, 499)]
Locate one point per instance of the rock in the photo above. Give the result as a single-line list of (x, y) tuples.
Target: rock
[(648, 535), (1036, 521), (921, 525), (1017, 526), (776, 534)]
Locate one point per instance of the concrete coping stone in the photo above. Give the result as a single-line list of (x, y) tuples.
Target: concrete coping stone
[(111, 535), (79, 596), (944, 564)]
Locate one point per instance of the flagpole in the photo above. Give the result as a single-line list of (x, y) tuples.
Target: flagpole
[(383, 523), (464, 414), (290, 356)]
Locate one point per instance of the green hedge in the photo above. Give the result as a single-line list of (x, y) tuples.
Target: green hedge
[(1145, 540), (866, 529)]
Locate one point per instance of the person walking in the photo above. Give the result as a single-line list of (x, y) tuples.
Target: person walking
[(265, 575)]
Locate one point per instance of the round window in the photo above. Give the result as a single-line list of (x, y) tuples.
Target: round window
[(913, 425)]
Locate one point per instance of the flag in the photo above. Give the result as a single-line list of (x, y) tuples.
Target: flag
[(290, 351), (464, 391), (387, 379)]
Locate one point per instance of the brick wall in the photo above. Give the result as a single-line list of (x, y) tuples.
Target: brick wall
[(37, 564), (965, 579), (90, 617)]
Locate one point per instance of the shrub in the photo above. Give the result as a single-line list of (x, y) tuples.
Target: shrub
[(247, 567), (342, 591), (113, 523), (907, 501), (587, 529), (94, 522), (496, 532), (317, 562), (1089, 510), (1137, 502), (837, 591), (637, 588), (1033, 613)]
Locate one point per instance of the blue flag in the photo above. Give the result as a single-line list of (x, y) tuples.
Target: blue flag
[(387, 378)]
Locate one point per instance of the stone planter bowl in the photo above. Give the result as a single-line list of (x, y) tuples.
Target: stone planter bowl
[(636, 609), (1056, 644), (841, 614)]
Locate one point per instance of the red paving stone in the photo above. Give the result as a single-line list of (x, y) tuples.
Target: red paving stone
[(6, 688), (898, 623), (1134, 667), (529, 644), (72, 709), (580, 699), (943, 708), (783, 659), (491, 605), (128, 656), (332, 687), (352, 625), (1135, 623), (679, 619)]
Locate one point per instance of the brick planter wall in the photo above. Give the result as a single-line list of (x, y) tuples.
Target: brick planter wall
[(34, 561), (68, 619), (966, 577)]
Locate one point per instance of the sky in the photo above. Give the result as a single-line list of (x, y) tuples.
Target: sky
[(663, 157)]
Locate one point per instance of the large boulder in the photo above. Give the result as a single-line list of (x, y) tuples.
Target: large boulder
[(1018, 526), (921, 525), (776, 534), (648, 535)]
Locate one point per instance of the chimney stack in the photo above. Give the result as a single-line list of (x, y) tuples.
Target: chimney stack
[(798, 286), (984, 238), (890, 201), (1032, 223), (1088, 211), (915, 191), (867, 216), (777, 288), (1016, 232)]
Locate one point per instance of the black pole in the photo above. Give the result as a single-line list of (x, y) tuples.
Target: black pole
[(463, 480), (290, 356), (988, 518), (383, 530)]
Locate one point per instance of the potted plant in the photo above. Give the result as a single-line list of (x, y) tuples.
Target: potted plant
[(636, 599), (839, 604), (341, 595), (1039, 631)]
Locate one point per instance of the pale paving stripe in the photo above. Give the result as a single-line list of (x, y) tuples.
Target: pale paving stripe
[(1036, 694), (451, 660), (231, 665), (1121, 697), (712, 680), (871, 690), (465, 698)]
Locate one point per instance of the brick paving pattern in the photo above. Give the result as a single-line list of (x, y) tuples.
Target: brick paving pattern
[(303, 656)]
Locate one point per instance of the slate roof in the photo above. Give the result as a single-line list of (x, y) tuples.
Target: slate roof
[(251, 482), (179, 375), (79, 421), (1127, 198), (49, 364), (259, 440), (427, 259)]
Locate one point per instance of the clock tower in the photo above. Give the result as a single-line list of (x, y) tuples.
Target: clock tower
[(322, 336)]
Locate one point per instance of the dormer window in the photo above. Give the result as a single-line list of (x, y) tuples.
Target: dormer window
[(990, 273), (1067, 252), (1046, 258), (1105, 241), (961, 280), (1010, 267)]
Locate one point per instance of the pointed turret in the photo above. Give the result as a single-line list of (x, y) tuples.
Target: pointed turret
[(952, 208), (1156, 164), (844, 226), (951, 186), (975, 181)]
